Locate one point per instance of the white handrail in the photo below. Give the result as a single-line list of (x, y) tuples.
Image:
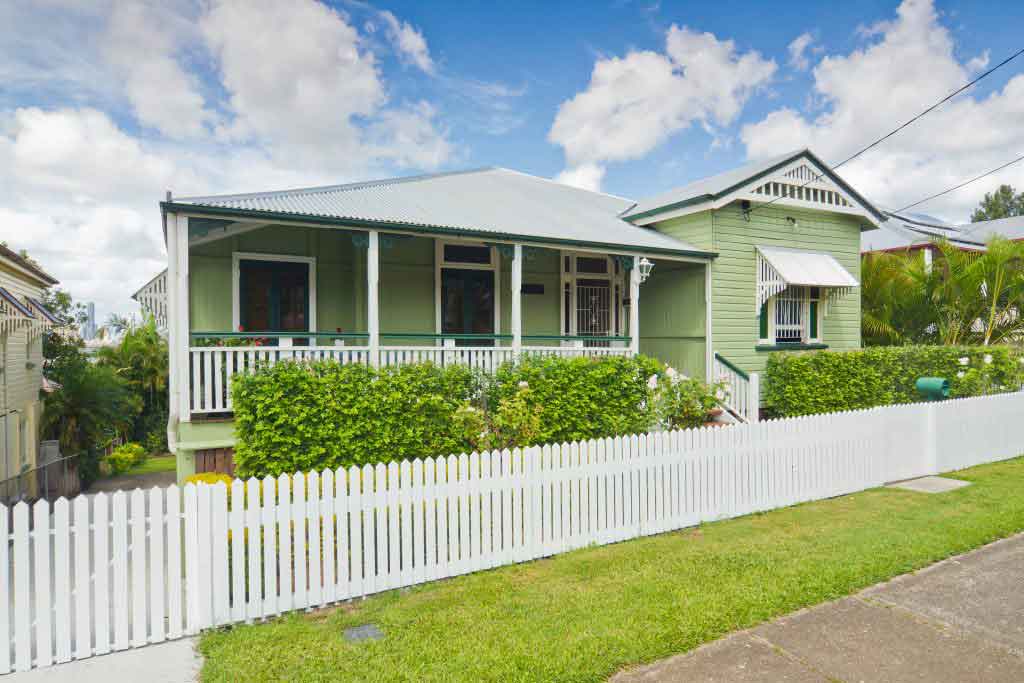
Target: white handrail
[(742, 390)]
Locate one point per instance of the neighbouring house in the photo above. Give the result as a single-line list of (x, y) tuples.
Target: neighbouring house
[(481, 266), (23, 321), (1011, 228), (918, 233)]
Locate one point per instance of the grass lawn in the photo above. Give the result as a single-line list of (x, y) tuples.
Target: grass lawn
[(154, 463), (584, 615)]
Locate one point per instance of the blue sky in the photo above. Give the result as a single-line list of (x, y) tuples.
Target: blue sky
[(105, 105)]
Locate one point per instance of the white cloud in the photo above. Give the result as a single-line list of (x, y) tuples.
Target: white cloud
[(904, 66), (195, 97), (409, 42), (586, 176), (634, 103), (797, 49)]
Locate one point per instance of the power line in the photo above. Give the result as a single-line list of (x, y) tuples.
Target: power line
[(888, 135), (957, 187), (930, 109)]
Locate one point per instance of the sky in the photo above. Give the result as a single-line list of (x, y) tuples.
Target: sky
[(106, 105)]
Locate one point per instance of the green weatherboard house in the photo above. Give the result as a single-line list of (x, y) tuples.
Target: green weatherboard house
[(479, 267)]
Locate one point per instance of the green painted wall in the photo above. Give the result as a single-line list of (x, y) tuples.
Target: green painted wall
[(406, 288), (673, 316), (734, 318), (211, 284)]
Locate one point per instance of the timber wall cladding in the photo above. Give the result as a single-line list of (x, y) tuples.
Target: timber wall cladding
[(109, 572), (220, 460)]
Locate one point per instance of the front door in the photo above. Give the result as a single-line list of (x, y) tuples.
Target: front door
[(273, 296), (593, 309), (467, 304)]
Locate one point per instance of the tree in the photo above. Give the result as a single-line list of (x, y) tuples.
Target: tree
[(140, 358), (964, 297), (1002, 203)]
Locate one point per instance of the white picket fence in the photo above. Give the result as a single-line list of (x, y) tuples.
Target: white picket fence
[(104, 573)]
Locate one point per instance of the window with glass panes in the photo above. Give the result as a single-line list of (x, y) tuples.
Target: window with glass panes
[(792, 316)]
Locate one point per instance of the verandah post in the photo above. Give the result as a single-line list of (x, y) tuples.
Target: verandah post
[(183, 339), (517, 299), (634, 307), (372, 299)]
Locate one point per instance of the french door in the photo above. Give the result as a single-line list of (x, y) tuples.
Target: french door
[(467, 304)]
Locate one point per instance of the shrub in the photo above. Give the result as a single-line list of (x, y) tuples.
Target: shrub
[(303, 416), (210, 478), (809, 383), (683, 402), (581, 398), (125, 457)]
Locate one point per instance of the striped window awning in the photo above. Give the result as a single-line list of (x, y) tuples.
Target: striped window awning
[(781, 267)]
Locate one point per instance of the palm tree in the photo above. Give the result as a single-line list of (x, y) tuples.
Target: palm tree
[(962, 297)]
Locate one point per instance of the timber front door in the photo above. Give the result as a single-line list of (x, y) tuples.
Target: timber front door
[(273, 296), (467, 304)]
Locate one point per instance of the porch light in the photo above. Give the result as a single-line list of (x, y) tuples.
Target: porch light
[(645, 266)]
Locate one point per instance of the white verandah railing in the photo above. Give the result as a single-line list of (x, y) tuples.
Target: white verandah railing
[(742, 390), (212, 367), (104, 573)]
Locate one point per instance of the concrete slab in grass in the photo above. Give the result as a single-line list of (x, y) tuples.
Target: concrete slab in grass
[(931, 484)]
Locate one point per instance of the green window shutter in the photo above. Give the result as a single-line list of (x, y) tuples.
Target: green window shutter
[(814, 319), (763, 329)]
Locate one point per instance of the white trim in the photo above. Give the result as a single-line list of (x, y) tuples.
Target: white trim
[(440, 263), (709, 346), (517, 297), (747, 191), (237, 256), (183, 319), (805, 318)]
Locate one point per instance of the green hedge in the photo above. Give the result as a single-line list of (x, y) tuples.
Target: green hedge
[(824, 382), (582, 398), (293, 417)]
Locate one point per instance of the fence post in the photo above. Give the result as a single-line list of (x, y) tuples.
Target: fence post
[(754, 397), (931, 446)]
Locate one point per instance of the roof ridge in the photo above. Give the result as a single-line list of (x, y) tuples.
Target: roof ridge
[(341, 187)]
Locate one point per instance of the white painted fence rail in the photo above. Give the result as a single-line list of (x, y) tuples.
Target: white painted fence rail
[(103, 573), (212, 367)]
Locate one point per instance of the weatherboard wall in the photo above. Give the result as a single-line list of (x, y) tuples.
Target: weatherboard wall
[(733, 273)]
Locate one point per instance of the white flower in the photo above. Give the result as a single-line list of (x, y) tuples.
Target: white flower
[(987, 359), (960, 374), (483, 435), (964, 360), (719, 394), (524, 384), (670, 371), (652, 382)]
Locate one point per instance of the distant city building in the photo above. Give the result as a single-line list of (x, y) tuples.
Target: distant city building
[(89, 326)]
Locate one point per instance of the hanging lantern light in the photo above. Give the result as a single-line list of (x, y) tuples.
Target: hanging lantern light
[(645, 266)]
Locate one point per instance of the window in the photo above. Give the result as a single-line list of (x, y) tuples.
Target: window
[(592, 297), (274, 293), (791, 317), (461, 253)]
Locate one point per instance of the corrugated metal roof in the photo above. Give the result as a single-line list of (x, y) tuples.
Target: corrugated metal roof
[(492, 200), (903, 230), (713, 187), (811, 268), (1010, 228)]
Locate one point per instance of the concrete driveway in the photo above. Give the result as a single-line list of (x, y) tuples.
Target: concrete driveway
[(959, 620)]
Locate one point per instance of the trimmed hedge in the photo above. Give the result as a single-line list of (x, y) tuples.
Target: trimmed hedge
[(582, 398), (293, 417), (297, 416), (830, 381)]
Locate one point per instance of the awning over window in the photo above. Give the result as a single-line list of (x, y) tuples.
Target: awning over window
[(780, 267)]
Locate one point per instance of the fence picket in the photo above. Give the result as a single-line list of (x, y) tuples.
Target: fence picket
[(41, 553), (23, 594), (5, 592), (138, 567), (61, 582), (157, 518), (83, 627), (175, 584)]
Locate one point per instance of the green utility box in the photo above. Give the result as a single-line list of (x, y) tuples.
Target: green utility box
[(932, 388)]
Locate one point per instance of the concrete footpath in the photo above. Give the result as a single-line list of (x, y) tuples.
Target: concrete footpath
[(959, 620), (175, 661)]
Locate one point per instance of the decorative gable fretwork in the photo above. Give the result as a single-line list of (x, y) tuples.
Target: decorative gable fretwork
[(804, 193)]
